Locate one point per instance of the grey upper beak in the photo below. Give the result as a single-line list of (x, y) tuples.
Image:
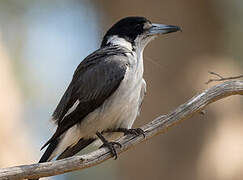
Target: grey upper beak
[(163, 29)]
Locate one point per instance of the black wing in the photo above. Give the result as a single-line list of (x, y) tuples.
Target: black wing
[(95, 79)]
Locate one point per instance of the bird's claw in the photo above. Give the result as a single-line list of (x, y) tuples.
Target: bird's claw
[(110, 146), (136, 131)]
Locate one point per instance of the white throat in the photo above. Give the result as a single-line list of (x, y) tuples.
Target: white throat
[(115, 40)]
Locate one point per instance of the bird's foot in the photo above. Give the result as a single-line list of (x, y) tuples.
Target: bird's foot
[(109, 145), (135, 131)]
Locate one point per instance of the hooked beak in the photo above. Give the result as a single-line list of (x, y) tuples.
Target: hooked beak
[(157, 29)]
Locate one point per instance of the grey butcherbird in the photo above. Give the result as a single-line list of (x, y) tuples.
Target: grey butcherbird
[(106, 91)]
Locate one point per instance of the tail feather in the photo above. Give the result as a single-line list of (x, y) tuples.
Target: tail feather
[(70, 151), (52, 146), (53, 138)]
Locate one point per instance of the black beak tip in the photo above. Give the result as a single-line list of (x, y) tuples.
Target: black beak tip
[(172, 28), (177, 28), (164, 29)]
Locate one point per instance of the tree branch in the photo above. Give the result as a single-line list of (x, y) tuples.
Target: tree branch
[(157, 126)]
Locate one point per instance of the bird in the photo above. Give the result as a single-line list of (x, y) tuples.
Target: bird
[(105, 94)]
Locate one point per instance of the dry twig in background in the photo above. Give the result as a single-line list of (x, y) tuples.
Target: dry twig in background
[(157, 126), (221, 78)]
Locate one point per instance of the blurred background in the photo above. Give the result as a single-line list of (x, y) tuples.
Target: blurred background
[(42, 42)]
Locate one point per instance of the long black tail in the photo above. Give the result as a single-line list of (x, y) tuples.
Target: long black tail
[(70, 151), (52, 146), (82, 143)]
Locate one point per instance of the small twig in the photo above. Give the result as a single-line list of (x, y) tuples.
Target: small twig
[(157, 126), (221, 78), (203, 112)]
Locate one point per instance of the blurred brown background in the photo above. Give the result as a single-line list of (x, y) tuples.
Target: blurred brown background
[(42, 42)]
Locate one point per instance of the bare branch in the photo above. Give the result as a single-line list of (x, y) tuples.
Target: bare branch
[(157, 126), (221, 78)]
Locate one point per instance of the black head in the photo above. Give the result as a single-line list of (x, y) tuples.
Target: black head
[(130, 28)]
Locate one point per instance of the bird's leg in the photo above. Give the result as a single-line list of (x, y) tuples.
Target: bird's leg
[(135, 131), (109, 145)]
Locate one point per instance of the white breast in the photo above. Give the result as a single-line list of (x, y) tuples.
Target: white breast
[(119, 110)]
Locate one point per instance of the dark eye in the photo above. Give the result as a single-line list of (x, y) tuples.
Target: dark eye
[(139, 26)]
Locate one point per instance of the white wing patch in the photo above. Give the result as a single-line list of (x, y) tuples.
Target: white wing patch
[(74, 106)]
